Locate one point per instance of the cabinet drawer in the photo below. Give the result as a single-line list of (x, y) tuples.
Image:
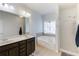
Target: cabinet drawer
[(22, 50), (30, 40), (14, 51), (4, 53), (5, 47), (22, 42), (23, 54), (12, 45), (22, 46)]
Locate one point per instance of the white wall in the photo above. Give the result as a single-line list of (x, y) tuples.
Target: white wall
[(49, 16), (68, 29), (36, 23)]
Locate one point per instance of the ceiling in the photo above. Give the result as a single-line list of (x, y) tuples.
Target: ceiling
[(44, 8), (67, 5)]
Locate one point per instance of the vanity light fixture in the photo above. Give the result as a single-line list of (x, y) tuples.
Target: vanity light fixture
[(1, 5), (21, 16), (7, 6), (11, 7), (28, 14)]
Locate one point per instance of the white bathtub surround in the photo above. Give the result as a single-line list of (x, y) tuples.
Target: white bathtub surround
[(47, 41)]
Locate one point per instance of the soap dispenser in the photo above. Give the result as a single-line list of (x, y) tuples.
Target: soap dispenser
[(20, 31)]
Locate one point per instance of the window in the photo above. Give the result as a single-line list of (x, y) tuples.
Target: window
[(50, 27)]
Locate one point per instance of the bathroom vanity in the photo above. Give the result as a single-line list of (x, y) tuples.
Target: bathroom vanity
[(18, 46)]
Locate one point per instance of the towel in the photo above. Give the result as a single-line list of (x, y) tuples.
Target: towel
[(77, 37)]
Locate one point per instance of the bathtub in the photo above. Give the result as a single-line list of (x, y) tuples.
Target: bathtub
[(47, 41)]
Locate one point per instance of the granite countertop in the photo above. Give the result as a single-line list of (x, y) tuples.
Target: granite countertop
[(14, 39)]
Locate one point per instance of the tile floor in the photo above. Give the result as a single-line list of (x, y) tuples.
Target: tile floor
[(42, 51)]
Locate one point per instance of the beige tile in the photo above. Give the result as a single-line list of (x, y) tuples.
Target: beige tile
[(42, 51)]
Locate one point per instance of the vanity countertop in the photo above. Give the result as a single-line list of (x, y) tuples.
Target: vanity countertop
[(14, 39)]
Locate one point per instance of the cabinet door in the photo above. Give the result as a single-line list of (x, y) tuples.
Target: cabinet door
[(4, 53), (23, 51), (22, 48), (33, 45), (30, 46), (14, 51)]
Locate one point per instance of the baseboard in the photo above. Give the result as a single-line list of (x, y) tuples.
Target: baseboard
[(72, 53)]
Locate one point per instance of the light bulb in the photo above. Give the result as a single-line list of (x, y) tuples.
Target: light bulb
[(1, 4), (11, 7), (21, 16), (6, 6), (27, 14)]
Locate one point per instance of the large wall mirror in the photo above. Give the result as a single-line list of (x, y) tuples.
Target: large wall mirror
[(27, 25), (11, 23)]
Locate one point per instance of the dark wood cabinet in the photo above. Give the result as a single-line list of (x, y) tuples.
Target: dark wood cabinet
[(9, 50), (33, 45), (14, 51), (30, 46), (21, 48), (4, 53), (4, 50)]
